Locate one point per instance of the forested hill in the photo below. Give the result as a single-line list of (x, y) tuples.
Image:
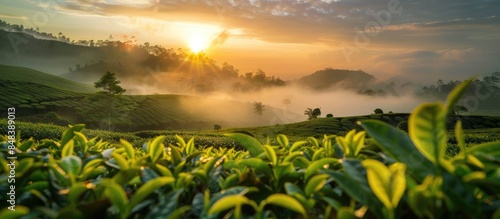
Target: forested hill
[(329, 78)]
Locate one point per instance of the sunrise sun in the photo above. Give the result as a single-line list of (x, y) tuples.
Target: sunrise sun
[(198, 43)]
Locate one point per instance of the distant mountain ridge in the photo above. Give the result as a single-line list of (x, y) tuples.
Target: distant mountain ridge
[(330, 78)]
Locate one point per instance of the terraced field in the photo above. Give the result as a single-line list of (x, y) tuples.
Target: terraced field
[(35, 94), (27, 95), (20, 74)]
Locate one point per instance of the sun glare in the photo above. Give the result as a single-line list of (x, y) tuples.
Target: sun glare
[(197, 43)]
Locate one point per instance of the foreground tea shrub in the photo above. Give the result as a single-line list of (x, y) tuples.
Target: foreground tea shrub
[(408, 176)]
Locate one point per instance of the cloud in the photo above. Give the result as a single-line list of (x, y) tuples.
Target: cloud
[(220, 39), (24, 18), (427, 39), (301, 21), (431, 65)]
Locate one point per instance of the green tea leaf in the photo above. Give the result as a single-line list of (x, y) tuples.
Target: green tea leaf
[(358, 142), (427, 129), (486, 148), (315, 183), (68, 134), (258, 164), (164, 171), (292, 156), (250, 143), (92, 164), (75, 192), (398, 182), (316, 165), (353, 181), (180, 141), (80, 138), (178, 212), (346, 213), (282, 140), (313, 141), (148, 188), (71, 164), (120, 160), (399, 146), (116, 195), (26, 145), (456, 93), (318, 154), (147, 174), (229, 202), (379, 180), (20, 211), (476, 175), (129, 149), (271, 154), (156, 148), (283, 170), (296, 145), (175, 153), (23, 166), (68, 148), (287, 202), (39, 186), (166, 205), (292, 189), (459, 135), (190, 148)]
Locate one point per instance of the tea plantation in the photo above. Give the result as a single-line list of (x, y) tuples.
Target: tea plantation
[(394, 174)]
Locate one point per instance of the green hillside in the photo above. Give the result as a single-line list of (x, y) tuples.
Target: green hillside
[(21, 74), (35, 94)]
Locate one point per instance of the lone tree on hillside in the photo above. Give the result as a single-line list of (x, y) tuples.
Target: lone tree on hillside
[(217, 127), (109, 106), (312, 113), (109, 83), (258, 108)]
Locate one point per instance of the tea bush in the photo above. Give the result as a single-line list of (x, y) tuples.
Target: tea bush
[(406, 176)]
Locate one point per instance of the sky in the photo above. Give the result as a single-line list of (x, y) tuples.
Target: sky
[(410, 40)]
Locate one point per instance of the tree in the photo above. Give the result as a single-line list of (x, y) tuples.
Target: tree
[(378, 111), (329, 115), (258, 108), (109, 83), (217, 127), (109, 105), (312, 113)]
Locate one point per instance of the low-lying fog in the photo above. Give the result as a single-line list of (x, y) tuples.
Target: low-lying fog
[(286, 104)]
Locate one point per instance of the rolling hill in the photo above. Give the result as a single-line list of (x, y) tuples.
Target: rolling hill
[(21, 74), (328, 78), (34, 94)]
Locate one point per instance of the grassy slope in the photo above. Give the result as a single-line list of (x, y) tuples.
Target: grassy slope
[(21, 74), (35, 93)]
